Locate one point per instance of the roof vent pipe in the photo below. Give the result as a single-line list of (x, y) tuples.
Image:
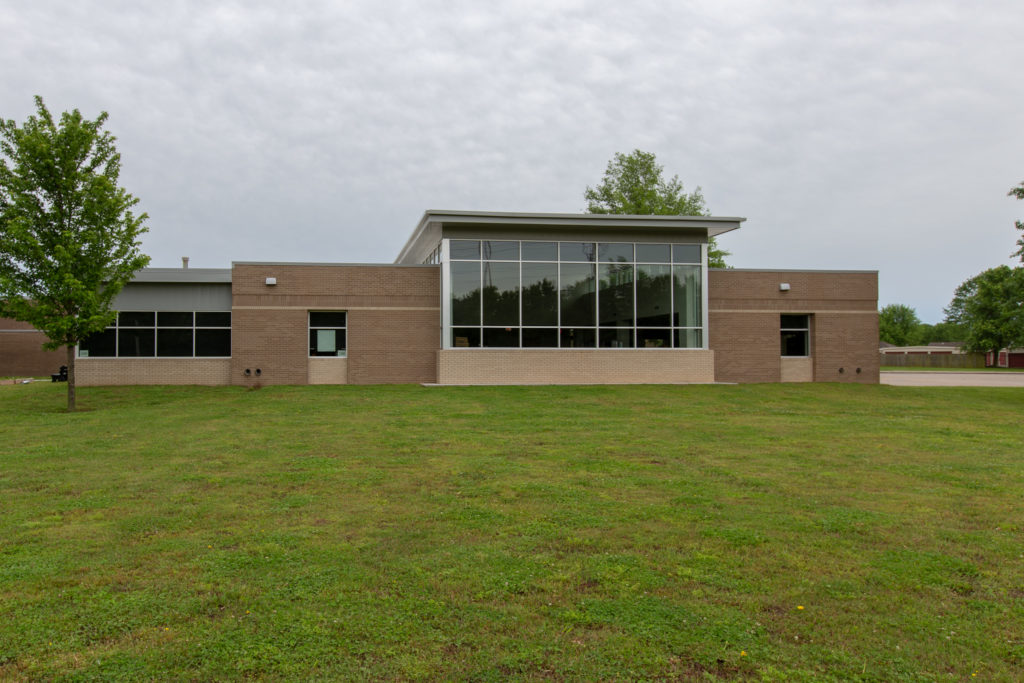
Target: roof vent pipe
[(184, 261)]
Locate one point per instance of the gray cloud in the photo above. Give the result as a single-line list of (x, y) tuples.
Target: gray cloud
[(864, 135)]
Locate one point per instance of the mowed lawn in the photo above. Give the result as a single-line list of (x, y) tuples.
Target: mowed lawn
[(760, 532)]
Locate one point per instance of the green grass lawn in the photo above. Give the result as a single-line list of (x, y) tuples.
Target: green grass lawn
[(759, 532)]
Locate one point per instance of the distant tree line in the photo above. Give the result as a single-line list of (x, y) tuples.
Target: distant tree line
[(985, 314)]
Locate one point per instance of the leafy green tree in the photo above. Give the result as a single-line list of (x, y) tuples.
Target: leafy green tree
[(940, 332), (635, 184), (1018, 192), (68, 238), (990, 307), (899, 325)]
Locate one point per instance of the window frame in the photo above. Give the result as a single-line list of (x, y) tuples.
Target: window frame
[(316, 328), (675, 333), (116, 328), (805, 330)]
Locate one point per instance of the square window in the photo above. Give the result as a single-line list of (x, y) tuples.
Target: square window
[(213, 343), (795, 335), (135, 343), (174, 342), (327, 333)]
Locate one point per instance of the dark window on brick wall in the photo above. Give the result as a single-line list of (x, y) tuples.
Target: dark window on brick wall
[(796, 335)]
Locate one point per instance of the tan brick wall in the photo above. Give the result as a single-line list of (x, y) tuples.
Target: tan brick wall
[(112, 371), (846, 348), (21, 351), (328, 370), (394, 321), (743, 323), (746, 346), (394, 346), (796, 370), (271, 344), (575, 366)]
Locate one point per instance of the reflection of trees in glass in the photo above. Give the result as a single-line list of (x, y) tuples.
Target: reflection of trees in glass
[(616, 301), (578, 283), (653, 296), (501, 294), (465, 284), (540, 302), (686, 280), (466, 308), (501, 306)]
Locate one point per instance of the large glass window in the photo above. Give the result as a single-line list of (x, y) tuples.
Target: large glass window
[(163, 334), (327, 333), (533, 294)]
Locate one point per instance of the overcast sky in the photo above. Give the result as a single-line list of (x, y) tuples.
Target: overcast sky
[(856, 135)]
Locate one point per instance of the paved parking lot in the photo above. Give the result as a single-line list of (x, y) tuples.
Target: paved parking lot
[(953, 379)]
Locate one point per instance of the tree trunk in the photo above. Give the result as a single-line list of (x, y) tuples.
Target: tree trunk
[(71, 378)]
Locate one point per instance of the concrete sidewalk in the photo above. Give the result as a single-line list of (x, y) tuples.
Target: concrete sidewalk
[(952, 379)]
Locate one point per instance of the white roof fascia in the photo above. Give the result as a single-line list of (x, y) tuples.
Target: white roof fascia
[(715, 225)]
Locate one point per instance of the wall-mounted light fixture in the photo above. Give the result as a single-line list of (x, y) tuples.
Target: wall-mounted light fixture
[(783, 286), (271, 281)]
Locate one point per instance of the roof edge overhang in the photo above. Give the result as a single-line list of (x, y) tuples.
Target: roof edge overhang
[(715, 225)]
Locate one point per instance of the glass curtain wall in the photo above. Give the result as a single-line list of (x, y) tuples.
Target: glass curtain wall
[(526, 294)]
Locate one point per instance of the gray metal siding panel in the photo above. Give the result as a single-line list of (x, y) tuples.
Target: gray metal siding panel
[(139, 296)]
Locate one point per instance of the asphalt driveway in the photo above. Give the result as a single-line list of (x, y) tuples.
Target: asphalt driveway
[(953, 379)]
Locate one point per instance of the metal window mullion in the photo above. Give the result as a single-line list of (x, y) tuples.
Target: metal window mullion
[(446, 294), (480, 279), (558, 295), (704, 296), (519, 329), (671, 301)]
